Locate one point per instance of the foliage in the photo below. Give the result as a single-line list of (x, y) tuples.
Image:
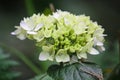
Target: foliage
[(76, 71), (5, 67), (42, 77)]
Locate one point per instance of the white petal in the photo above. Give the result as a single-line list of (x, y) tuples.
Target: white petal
[(31, 32), (43, 56), (93, 51), (104, 34), (99, 43), (17, 31), (38, 27), (62, 56), (50, 50), (13, 33), (39, 36), (51, 57), (95, 41), (24, 25), (21, 36), (56, 15), (82, 55), (101, 48), (66, 21)]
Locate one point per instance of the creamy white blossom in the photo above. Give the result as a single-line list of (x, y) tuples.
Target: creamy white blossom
[(21, 34), (63, 37)]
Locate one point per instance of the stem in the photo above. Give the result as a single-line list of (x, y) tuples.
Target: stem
[(119, 51), (29, 7), (82, 60), (61, 63), (119, 45), (23, 58), (44, 75)]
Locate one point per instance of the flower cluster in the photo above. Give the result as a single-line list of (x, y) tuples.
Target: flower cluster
[(62, 35)]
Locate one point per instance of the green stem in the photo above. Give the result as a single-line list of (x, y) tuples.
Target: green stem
[(119, 51), (29, 7), (44, 75), (119, 44), (22, 57), (61, 64)]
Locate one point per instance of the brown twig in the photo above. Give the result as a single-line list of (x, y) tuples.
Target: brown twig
[(52, 7)]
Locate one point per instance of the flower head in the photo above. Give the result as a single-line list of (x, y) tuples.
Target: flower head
[(62, 35)]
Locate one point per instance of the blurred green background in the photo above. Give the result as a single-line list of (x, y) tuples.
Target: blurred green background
[(105, 12)]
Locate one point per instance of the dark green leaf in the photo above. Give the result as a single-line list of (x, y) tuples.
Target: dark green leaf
[(7, 64), (76, 71), (4, 56), (5, 67), (42, 77)]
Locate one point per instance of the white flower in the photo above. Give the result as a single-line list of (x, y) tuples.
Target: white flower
[(47, 53), (44, 56), (62, 35), (30, 26), (21, 34), (62, 56), (99, 39)]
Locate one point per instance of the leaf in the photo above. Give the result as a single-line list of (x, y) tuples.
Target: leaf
[(76, 71), (4, 56), (9, 63), (42, 77), (5, 67), (11, 75)]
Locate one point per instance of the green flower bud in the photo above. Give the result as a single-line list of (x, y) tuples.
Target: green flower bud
[(73, 36), (66, 34), (67, 41), (72, 49), (61, 38)]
